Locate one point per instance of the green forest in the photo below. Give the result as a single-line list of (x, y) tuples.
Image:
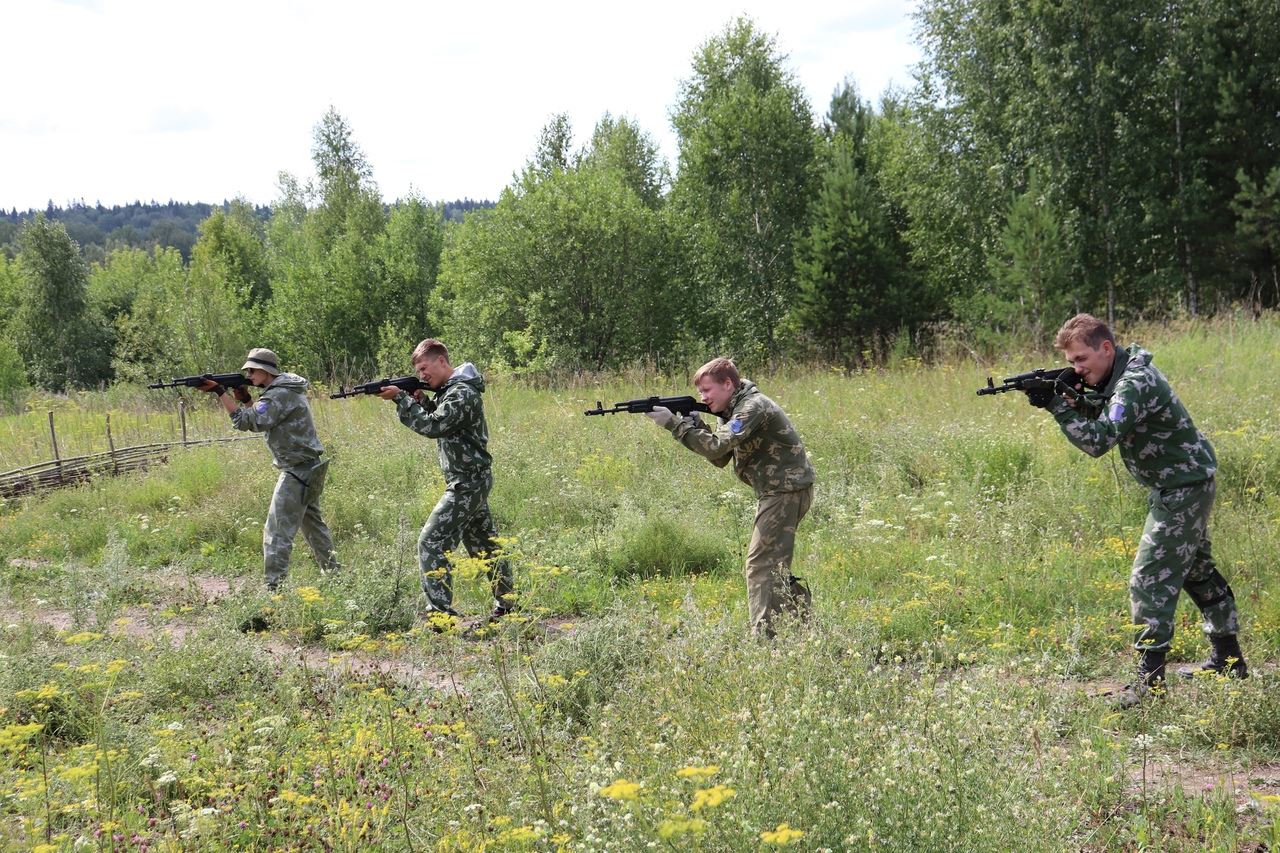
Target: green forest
[(1118, 158)]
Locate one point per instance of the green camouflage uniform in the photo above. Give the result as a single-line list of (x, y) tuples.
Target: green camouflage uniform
[(455, 418), (769, 456), (283, 414), (1165, 452)]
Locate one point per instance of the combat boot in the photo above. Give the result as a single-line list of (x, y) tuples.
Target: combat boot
[(1226, 659), (1149, 682)]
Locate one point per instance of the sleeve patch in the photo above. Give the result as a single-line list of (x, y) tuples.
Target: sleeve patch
[(261, 407), (1116, 413), (736, 425)]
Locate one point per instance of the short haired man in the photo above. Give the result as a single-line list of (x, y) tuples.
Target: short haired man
[(767, 455), (1165, 452), (283, 413), (455, 418)]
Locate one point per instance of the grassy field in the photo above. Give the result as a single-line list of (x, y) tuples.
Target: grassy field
[(969, 571)]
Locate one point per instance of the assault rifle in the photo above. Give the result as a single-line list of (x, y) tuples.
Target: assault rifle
[(226, 380), (408, 384), (679, 405), (1061, 381)]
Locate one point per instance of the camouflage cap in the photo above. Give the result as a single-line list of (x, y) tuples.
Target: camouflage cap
[(262, 359)]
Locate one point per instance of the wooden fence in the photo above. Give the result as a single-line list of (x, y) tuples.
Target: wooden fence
[(58, 471)]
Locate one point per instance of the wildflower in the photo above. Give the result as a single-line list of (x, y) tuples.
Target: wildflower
[(46, 691), (309, 594), (621, 790), (520, 834), (698, 774), (82, 638), (676, 827), (783, 836), (12, 737), (711, 797)]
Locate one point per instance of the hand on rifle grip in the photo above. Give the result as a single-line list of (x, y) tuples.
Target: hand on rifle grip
[(242, 395)]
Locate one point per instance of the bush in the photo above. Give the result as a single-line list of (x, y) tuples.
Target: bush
[(662, 546)]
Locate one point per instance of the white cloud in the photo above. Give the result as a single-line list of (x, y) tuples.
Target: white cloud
[(147, 99)]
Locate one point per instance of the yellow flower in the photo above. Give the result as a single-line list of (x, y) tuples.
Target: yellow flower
[(783, 836), (698, 774), (711, 797), (309, 594), (520, 833), (81, 639), (621, 790), (676, 827), (12, 737)]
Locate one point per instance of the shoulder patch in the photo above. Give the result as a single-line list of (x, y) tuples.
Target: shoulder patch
[(1116, 412), (736, 425), (261, 407)]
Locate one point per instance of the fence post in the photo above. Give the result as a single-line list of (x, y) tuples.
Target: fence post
[(53, 437), (182, 416), (111, 446)]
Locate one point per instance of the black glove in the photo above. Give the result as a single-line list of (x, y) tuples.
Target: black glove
[(242, 394), (1040, 397)]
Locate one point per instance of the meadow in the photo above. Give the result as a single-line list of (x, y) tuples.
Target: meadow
[(969, 570)]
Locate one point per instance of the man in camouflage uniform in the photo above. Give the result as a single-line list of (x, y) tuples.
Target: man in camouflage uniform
[(769, 456), (1165, 452), (282, 412), (455, 418)]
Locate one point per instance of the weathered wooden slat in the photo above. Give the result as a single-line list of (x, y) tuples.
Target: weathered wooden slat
[(72, 470)]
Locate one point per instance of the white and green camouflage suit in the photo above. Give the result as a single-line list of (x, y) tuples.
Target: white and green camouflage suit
[(282, 412), (768, 456), (1165, 452), (455, 418)]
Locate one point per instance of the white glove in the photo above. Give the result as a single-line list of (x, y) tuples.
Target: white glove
[(661, 415)]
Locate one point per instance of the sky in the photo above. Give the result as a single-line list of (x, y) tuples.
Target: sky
[(113, 101)]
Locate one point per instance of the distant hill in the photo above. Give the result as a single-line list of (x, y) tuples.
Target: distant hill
[(100, 229)]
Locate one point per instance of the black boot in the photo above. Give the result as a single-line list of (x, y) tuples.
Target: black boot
[(1150, 681), (1226, 659)]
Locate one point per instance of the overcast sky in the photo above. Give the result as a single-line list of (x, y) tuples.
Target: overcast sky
[(119, 100)]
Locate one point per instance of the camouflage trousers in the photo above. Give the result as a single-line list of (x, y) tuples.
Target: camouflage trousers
[(296, 504), (771, 588), (1174, 555), (462, 515)]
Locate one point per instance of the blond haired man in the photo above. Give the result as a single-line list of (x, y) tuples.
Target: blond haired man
[(455, 418), (767, 455)]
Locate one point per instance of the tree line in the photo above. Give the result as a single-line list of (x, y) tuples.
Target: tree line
[(148, 225), (1049, 158)]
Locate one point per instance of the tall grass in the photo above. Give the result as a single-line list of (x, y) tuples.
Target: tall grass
[(969, 570)]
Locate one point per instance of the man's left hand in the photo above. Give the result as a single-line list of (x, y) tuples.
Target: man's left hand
[(1040, 397), (389, 392), (661, 415)]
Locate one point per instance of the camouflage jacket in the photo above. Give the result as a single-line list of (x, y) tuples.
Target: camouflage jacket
[(455, 418), (282, 412), (767, 452), (1159, 444)]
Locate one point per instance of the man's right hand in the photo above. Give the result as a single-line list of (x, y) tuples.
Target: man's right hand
[(242, 395)]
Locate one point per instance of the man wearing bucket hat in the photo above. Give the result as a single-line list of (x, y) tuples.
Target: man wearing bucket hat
[(282, 412)]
